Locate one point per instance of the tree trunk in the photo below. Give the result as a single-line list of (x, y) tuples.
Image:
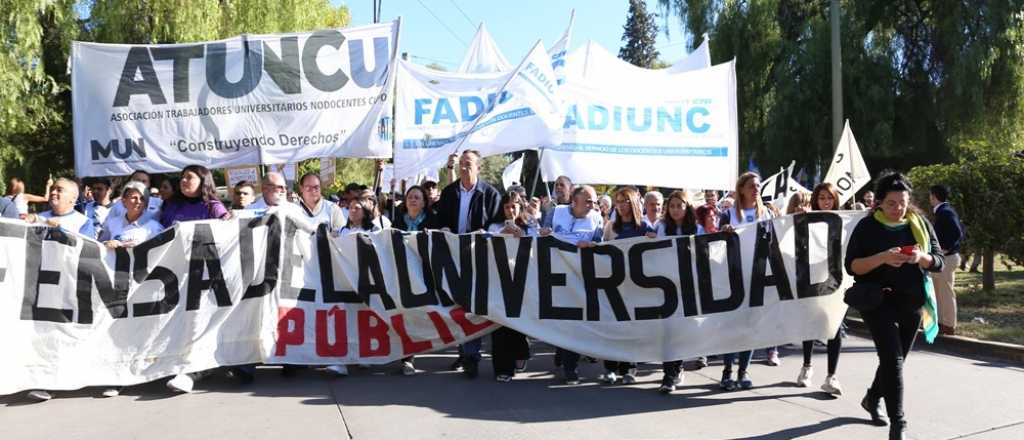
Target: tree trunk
[(988, 270)]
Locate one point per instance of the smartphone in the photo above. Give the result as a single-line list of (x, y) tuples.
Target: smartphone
[(907, 250)]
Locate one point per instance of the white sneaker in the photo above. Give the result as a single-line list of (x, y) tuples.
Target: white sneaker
[(832, 386), (339, 370), (804, 379), (40, 395), (679, 380), (111, 392), (181, 383), (408, 369), (773, 358), (629, 377), (609, 377)]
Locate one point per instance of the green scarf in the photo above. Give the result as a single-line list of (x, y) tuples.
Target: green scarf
[(930, 310)]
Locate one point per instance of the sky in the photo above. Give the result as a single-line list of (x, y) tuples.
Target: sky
[(514, 25)]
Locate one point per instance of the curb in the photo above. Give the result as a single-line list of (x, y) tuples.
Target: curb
[(960, 345)]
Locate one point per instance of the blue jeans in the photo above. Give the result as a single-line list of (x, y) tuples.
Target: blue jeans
[(728, 358), (469, 351)]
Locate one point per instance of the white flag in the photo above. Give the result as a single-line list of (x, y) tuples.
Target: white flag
[(560, 49), (443, 113), (532, 93), (775, 188), (513, 173), (848, 171), (483, 55)]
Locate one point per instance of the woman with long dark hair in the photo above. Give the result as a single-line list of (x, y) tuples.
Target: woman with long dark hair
[(824, 198), (510, 349), (893, 250), (678, 218), (195, 198)]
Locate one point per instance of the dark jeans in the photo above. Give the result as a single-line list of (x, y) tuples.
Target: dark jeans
[(672, 369), (507, 347), (744, 358), (570, 360), (469, 351), (893, 331)]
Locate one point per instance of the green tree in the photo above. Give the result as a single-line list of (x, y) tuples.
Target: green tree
[(920, 77), (639, 33)]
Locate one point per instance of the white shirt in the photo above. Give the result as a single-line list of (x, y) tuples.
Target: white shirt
[(20, 203), (566, 227), (73, 221), (260, 207), (138, 231), (464, 199), (382, 222), (652, 225), (325, 212)]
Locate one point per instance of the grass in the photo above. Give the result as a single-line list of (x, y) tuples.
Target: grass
[(996, 315)]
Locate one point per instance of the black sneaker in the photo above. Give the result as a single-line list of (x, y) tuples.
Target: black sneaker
[(727, 383), (471, 369), (456, 366), (572, 379), (873, 407)]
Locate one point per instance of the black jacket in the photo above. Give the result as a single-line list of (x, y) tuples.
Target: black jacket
[(484, 207), (948, 229), (871, 237)]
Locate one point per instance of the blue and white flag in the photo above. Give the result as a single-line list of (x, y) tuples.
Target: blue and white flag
[(560, 49), (441, 113)]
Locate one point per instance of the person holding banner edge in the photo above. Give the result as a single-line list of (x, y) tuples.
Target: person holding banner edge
[(509, 348), (748, 208), (629, 222), (581, 225), (468, 205), (678, 219), (894, 248), (823, 198), (413, 216)]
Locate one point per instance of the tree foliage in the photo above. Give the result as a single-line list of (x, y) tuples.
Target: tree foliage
[(920, 77), (639, 33)]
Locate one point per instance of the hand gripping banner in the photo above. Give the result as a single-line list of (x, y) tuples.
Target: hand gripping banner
[(275, 289)]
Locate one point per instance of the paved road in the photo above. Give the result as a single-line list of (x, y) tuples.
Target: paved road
[(948, 397)]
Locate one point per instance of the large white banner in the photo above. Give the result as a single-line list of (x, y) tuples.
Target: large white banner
[(626, 125), (439, 113), (235, 102), (274, 290)]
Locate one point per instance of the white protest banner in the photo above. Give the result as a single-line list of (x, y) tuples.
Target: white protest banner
[(272, 289), (327, 171), (698, 59), (386, 176), (240, 101), (646, 127), (512, 174), (506, 112), (848, 171), (483, 55), (242, 174)]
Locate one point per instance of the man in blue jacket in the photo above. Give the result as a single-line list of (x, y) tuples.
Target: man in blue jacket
[(950, 234)]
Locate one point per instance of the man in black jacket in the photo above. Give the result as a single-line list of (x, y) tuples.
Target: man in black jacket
[(468, 205), (950, 234)]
